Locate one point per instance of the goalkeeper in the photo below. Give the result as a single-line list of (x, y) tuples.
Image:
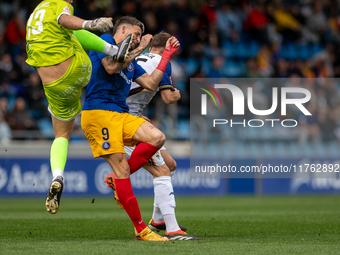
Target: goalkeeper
[(57, 53)]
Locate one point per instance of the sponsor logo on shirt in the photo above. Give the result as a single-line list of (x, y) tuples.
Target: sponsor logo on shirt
[(66, 9), (124, 77)]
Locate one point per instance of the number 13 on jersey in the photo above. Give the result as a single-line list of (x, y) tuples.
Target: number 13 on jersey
[(37, 19)]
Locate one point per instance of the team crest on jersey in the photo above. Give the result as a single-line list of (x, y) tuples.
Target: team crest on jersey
[(106, 145), (66, 9), (130, 67)]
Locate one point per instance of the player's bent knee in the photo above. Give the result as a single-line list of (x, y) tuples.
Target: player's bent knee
[(163, 170), (159, 139), (172, 166)]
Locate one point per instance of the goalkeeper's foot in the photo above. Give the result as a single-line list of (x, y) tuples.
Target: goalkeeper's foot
[(161, 226), (123, 49), (52, 201), (148, 235), (179, 235), (110, 181)]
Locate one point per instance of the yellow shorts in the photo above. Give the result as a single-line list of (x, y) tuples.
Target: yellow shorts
[(109, 131)]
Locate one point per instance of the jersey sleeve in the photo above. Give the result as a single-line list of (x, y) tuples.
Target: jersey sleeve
[(139, 71), (63, 7), (166, 82), (109, 39)]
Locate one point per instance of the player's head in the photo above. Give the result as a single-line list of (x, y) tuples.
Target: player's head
[(159, 41), (128, 25)]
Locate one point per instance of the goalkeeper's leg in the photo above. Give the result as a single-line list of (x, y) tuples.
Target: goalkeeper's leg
[(90, 41)]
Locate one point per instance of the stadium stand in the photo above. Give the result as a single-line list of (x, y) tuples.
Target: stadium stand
[(218, 39)]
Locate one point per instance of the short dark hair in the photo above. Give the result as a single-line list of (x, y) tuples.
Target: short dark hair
[(128, 20), (159, 40)]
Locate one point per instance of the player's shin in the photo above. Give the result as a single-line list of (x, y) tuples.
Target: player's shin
[(129, 201), (165, 201), (58, 156), (157, 216)]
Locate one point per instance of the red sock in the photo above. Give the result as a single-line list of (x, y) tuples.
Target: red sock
[(129, 201), (141, 155)]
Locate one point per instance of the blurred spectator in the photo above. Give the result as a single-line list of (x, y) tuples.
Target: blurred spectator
[(36, 97), (19, 118), (4, 109), (317, 22), (216, 70), (151, 25), (281, 69), (265, 61), (252, 69), (229, 24), (256, 24), (5, 131), (207, 18), (15, 34), (287, 25), (11, 70), (9, 92), (327, 125)]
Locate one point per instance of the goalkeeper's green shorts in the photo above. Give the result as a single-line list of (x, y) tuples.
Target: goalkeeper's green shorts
[(63, 95)]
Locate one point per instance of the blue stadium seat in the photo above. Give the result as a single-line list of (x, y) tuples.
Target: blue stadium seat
[(254, 150), (213, 150), (319, 150), (241, 150), (332, 149), (253, 48), (228, 150), (206, 63), (198, 150), (307, 150), (46, 128), (294, 150), (227, 133), (191, 66), (303, 52), (268, 150), (183, 129), (281, 150), (231, 69), (180, 85)]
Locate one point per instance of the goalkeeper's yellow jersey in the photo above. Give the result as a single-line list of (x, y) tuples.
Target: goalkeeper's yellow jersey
[(49, 43)]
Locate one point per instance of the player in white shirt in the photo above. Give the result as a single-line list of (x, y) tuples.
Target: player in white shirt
[(161, 165), (139, 98)]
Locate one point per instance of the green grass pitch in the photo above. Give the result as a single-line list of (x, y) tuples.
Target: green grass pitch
[(226, 225)]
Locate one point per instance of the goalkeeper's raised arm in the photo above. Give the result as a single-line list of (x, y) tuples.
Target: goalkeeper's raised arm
[(74, 23)]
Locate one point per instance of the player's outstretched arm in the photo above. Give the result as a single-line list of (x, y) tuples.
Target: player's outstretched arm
[(170, 96), (75, 23), (111, 66), (150, 82)]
